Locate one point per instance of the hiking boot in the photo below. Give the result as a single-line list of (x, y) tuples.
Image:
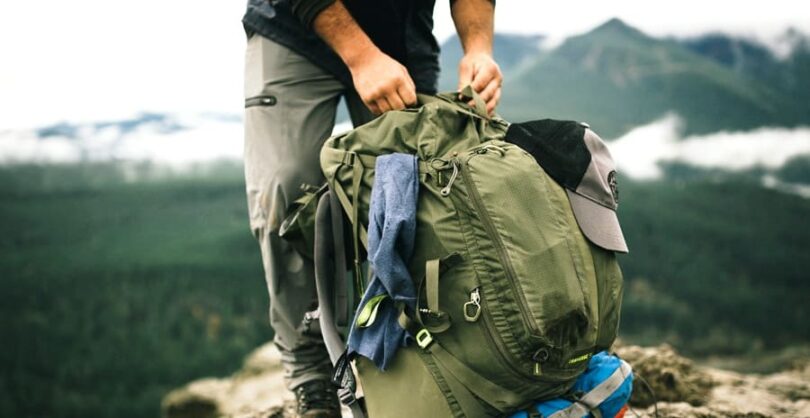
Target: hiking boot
[(317, 399)]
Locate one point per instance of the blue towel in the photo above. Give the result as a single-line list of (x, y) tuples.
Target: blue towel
[(391, 235)]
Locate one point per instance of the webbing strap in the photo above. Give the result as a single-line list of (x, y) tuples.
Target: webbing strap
[(348, 158), (499, 397), (357, 177), (432, 284), (357, 410), (490, 392), (405, 321), (434, 319), (470, 406), (347, 204), (367, 160), (591, 400), (480, 107)]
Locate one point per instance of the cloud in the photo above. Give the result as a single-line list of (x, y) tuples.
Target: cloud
[(639, 152), (192, 139)]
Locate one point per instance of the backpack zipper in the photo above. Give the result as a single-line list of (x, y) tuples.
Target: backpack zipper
[(535, 374), (501, 352), (261, 101), (489, 226), (445, 191)]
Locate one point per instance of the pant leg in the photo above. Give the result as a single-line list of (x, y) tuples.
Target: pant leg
[(284, 131)]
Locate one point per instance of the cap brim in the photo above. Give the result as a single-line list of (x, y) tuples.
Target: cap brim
[(599, 224)]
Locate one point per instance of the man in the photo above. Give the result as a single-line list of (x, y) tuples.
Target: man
[(302, 56)]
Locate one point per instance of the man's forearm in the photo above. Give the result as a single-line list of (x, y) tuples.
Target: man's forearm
[(474, 24), (381, 82), (337, 27), (477, 68)]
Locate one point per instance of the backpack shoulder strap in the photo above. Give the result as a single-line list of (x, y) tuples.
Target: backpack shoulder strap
[(324, 258)]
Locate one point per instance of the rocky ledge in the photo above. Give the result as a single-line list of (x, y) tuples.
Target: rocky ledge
[(681, 390)]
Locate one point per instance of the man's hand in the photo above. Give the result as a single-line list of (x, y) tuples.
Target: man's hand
[(481, 72), (474, 24), (381, 82)]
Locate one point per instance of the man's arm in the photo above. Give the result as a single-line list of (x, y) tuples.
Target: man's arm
[(382, 83), (474, 24)]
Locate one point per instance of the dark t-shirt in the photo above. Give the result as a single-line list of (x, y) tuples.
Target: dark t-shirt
[(402, 29)]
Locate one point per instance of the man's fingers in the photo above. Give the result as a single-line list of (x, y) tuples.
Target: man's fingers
[(372, 106), (483, 77), (382, 104), (493, 103), (394, 101), (407, 94), (489, 91)]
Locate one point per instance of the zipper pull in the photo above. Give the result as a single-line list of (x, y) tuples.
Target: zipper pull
[(490, 147), (446, 190), (472, 309)]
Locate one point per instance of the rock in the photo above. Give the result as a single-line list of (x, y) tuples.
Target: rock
[(672, 378), (199, 399), (265, 359), (685, 390), (682, 388), (255, 391)]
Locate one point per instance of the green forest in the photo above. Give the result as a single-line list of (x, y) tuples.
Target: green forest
[(120, 282)]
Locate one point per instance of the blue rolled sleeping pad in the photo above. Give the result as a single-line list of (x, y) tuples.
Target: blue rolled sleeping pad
[(605, 385)]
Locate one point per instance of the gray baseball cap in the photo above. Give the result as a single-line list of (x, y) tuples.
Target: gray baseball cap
[(579, 160)]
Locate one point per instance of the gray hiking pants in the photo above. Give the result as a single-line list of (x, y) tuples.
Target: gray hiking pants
[(290, 107)]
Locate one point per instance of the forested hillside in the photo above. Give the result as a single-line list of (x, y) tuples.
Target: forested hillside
[(115, 291)]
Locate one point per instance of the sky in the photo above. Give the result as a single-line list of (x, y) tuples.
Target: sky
[(90, 60)]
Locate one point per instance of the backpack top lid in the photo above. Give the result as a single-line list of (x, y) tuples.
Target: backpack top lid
[(578, 159)]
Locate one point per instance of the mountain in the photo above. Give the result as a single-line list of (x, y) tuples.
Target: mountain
[(511, 51), (158, 122), (615, 77), (744, 56), (787, 69)]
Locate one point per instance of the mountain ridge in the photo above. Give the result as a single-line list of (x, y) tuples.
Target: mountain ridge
[(616, 77)]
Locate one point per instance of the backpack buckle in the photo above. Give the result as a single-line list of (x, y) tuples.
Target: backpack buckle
[(424, 338), (346, 396)]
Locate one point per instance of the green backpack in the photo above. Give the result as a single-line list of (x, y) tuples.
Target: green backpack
[(514, 299)]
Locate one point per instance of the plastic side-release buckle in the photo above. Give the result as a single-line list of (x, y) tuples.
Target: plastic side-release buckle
[(346, 396), (424, 338), (343, 377)]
